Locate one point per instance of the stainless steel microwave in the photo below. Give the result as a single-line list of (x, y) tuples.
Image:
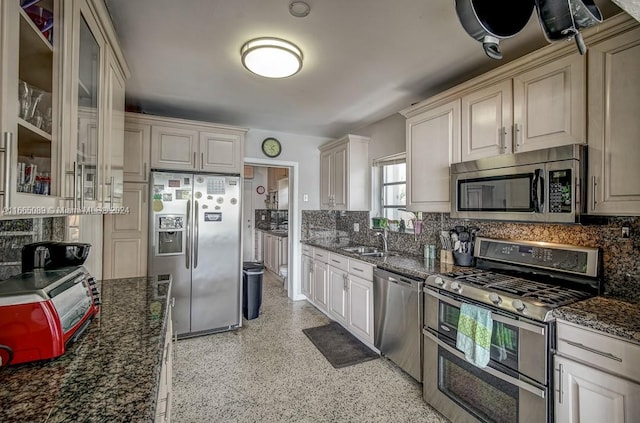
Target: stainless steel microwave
[(537, 186)]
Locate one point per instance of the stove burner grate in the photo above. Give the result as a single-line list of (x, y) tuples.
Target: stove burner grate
[(558, 296)]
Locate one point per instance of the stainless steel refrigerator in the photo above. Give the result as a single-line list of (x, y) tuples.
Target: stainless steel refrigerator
[(194, 235)]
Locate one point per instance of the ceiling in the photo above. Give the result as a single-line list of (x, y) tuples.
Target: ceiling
[(364, 60)]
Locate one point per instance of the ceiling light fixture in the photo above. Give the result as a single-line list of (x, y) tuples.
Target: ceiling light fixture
[(271, 57), (299, 9)]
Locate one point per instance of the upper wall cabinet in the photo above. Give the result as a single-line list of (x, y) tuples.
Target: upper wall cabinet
[(539, 108), (614, 125), (93, 94), (345, 174), (29, 105), (433, 143), (191, 146), (174, 148), (137, 143), (113, 148)]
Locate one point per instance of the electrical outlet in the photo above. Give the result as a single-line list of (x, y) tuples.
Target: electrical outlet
[(626, 231), (356, 227), (262, 217), (305, 197)]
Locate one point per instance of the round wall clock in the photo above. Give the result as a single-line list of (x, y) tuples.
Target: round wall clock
[(271, 147), (260, 189)]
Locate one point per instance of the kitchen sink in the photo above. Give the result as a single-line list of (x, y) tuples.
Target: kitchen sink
[(362, 249), (379, 254), (368, 251)]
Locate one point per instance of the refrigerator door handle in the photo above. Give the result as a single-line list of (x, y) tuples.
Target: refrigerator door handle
[(187, 256), (196, 224)]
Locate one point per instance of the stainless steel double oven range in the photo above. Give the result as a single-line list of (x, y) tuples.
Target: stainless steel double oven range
[(521, 283)]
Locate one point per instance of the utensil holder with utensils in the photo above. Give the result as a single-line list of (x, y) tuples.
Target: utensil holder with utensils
[(463, 259), (446, 257), (457, 245)]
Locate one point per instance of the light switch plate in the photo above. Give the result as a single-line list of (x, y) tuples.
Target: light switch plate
[(305, 197), (356, 227)]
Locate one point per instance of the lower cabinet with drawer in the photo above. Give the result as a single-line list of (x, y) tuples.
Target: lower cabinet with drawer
[(342, 288), (351, 295), (597, 378)]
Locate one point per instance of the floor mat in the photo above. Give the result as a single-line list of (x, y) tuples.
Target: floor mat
[(339, 347)]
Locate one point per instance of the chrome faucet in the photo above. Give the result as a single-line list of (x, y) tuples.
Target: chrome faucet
[(383, 234)]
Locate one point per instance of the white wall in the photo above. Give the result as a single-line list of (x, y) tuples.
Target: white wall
[(295, 148), (387, 136)]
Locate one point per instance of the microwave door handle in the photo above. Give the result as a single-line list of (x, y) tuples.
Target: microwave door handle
[(537, 191)]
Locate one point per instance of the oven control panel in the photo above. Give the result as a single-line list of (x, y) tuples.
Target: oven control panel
[(557, 257)]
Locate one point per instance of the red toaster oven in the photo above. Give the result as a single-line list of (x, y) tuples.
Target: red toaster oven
[(43, 311)]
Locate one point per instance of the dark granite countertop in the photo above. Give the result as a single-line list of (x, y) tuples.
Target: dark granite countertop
[(609, 315), (282, 233), (110, 374), (402, 263)]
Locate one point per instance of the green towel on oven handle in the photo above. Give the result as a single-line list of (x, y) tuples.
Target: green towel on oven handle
[(475, 327)]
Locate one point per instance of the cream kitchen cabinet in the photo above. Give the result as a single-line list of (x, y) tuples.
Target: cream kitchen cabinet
[(596, 377), (360, 307), (306, 278), (113, 146), (183, 145), (93, 94), (351, 295), (539, 108), (29, 108), (126, 235), (345, 174), (614, 125), (338, 288), (276, 251), (137, 143), (174, 148), (221, 152), (433, 143), (320, 279), (64, 136)]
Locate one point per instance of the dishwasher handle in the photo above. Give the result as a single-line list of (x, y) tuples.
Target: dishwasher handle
[(398, 279)]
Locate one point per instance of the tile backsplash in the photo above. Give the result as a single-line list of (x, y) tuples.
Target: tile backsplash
[(621, 256), (15, 233)]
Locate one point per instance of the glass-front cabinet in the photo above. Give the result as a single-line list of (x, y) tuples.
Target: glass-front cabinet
[(61, 108), (29, 105), (83, 155)]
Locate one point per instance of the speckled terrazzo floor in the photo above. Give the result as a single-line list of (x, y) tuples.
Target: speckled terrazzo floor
[(269, 371)]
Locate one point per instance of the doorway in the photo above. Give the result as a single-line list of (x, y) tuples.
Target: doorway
[(268, 229)]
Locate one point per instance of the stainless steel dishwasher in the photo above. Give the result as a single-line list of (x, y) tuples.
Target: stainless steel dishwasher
[(397, 314)]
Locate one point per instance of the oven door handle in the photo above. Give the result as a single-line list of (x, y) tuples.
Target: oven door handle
[(540, 330), (506, 378)]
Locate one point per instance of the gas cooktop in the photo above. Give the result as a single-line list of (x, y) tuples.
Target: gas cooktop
[(547, 276)]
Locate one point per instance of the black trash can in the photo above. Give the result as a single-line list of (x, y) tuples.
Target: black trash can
[(251, 288)]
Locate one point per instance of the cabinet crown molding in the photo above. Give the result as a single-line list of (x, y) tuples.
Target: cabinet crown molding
[(347, 138), (163, 120)]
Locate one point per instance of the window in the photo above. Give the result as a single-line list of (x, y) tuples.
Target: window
[(392, 190)]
